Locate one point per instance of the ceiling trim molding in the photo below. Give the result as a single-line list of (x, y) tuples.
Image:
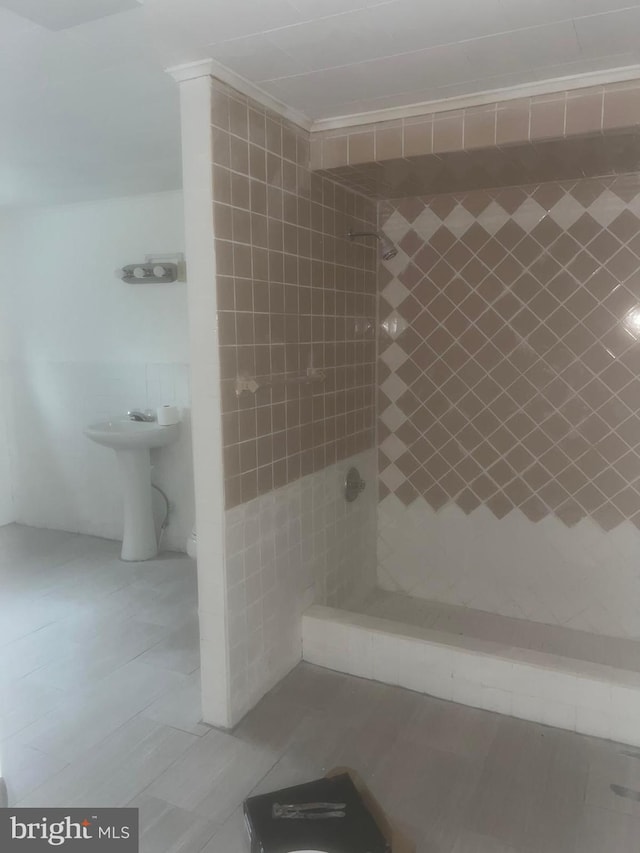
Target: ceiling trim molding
[(191, 70), (491, 96), (212, 68)]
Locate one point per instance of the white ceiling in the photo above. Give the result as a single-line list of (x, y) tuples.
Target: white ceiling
[(60, 16), (88, 112), (336, 57)]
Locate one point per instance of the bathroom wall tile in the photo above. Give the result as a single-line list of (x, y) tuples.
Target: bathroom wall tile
[(316, 161), (547, 118), (584, 112), (479, 127), (334, 151), (505, 388), (388, 140), (557, 116), (286, 549), (361, 147), (621, 106), (448, 132), (298, 295), (512, 121), (418, 137), (544, 159)]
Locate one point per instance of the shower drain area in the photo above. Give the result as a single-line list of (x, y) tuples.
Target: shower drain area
[(571, 680)]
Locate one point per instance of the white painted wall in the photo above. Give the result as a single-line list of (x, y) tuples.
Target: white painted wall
[(6, 270), (83, 346), (6, 485)]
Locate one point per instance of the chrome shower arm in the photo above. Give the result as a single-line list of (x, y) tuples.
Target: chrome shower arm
[(352, 234), (388, 250)]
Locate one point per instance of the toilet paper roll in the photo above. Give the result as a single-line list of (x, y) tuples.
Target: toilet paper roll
[(168, 415)]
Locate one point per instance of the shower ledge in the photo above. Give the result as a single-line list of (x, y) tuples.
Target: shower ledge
[(589, 698)]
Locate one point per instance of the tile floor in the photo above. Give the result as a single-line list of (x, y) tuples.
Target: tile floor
[(99, 706)]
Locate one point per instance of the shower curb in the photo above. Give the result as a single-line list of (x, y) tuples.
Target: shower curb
[(589, 698)]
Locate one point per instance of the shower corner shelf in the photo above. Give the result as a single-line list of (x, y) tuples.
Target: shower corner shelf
[(252, 384)]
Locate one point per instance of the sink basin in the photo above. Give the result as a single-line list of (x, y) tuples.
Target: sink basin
[(132, 442), (123, 434)]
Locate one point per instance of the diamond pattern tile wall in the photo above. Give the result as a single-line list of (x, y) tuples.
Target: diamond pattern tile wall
[(509, 362)]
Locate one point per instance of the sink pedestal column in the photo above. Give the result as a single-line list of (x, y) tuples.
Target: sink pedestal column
[(139, 541)]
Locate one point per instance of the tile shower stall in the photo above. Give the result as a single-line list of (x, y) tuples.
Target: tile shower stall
[(485, 381)]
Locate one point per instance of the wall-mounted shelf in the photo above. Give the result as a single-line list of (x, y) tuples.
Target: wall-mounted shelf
[(252, 385)]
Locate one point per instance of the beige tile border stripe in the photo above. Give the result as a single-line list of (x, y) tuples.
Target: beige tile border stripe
[(582, 111)]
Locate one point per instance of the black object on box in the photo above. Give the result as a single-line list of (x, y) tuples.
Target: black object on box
[(326, 815)]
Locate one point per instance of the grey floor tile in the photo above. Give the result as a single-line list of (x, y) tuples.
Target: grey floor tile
[(274, 724), (214, 776), (552, 823), (86, 718), (180, 707), (614, 782), (470, 842), (453, 728), (569, 765), (164, 828), (23, 701), (25, 769), (499, 808), (101, 655), (231, 837), (29, 653), (99, 703), (288, 771), (522, 752), (351, 701), (311, 686), (178, 651), (120, 767), (426, 788), (604, 831)]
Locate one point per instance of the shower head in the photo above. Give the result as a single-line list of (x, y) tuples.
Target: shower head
[(387, 249)]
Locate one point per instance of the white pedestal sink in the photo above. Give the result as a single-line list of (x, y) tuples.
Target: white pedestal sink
[(132, 441)]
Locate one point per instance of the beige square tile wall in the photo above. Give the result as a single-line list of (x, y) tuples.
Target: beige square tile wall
[(509, 358), (597, 110), (511, 164), (293, 293)]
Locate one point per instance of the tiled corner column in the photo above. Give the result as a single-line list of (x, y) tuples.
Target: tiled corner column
[(277, 288), (294, 293), (195, 105), (299, 544)]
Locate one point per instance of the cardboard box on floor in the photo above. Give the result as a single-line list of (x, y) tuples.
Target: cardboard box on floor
[(399, 842)]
